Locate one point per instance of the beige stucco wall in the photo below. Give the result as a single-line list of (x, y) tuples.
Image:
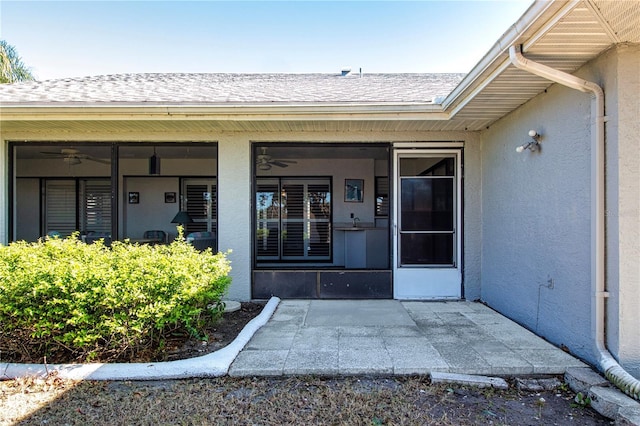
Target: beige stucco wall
[(536, 247), (623, 203), (234, 185)]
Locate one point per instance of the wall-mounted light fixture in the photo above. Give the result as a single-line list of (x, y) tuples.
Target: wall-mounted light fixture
[(533, 144), (154, 163)]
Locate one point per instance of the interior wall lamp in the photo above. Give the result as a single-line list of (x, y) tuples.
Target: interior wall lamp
[(182, 218), (154, 163), (533, 144)]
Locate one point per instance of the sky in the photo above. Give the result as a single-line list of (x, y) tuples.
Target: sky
[(81, 38)]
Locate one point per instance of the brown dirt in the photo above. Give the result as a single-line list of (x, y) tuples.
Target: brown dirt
[(278, 401), (182, 346)]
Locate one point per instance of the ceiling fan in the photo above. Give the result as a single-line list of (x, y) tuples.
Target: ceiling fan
[(265, 161), (72, 156)]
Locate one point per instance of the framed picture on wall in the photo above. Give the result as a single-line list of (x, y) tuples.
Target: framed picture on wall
[(353, 190), (134, 198), (169, 197)]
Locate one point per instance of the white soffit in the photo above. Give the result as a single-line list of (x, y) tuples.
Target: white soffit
[(566, 40), (190, 129), (623, 17)]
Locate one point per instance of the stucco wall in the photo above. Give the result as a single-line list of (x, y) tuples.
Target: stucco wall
[(623, 206), (536, 212), (536, 216), (234, 211), (473, 190)]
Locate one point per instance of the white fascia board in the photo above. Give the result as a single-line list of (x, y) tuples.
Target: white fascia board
[(386, 111), (498, 53)]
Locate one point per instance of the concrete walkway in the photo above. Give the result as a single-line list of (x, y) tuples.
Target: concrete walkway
[(344, 337)]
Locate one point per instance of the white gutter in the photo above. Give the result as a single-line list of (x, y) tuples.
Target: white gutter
[(389, 111), (608, 364), (457, 99)]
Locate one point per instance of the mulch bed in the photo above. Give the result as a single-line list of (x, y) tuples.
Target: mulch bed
[(179, 345), (182, 346)]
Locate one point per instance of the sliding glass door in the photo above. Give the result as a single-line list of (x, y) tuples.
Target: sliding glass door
[(293, 219)]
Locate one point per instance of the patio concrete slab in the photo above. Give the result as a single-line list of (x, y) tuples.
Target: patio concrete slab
[(349, 337), (364, 361), (369, 313), (259, 363), (306, 362)]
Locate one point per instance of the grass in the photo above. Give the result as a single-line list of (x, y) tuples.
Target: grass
[(278, 401)]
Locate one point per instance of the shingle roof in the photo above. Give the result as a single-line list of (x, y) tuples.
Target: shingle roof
[(153, 89)]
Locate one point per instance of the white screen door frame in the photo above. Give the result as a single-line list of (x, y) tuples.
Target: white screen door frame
[(427, 224)]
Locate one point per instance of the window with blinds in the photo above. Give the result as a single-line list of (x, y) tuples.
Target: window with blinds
[(293, 219), (60, 207), (95, 199), (77, 204), (200, 202), (382, 196)]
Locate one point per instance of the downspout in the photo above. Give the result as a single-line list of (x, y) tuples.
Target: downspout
[(606, 362)]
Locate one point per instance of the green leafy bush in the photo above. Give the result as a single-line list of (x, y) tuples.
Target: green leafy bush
[(64, 299)]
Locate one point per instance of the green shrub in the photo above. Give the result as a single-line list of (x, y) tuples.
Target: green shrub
[(61, 298)]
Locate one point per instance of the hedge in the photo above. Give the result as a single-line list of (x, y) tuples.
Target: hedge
[(63, 298)]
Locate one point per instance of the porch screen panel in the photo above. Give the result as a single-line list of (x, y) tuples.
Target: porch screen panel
[(60, 207), (95, 199), (427, 211)]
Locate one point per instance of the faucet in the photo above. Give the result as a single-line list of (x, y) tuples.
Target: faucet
[(355, 222)]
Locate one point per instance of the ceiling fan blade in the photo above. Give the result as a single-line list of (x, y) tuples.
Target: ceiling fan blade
[(278, 163), (97, 160), (55, 154), (287, 161)]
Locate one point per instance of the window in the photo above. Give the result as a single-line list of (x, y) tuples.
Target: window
[(88, 209), (382, 196), (60, 207), (95, 198), (293, 219), (200, 201)]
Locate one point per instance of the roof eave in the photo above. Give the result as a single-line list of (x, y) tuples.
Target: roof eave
[(347, 111), (496, 59)]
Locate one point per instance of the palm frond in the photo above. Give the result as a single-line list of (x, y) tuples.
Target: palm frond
[(12, 69)]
